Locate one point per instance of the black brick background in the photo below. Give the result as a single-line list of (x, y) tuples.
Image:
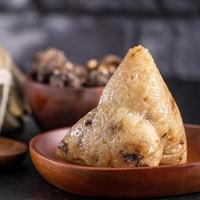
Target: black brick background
[(93, 28)]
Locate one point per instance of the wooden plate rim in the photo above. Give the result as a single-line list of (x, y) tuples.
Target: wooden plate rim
[(25, 148), (33, 149)]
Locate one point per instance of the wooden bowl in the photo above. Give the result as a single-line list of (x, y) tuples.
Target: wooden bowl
[(117, 182), (12, 152), (55, 107)]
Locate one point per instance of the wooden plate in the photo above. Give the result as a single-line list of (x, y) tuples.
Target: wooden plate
[(117, 182), (11, 151)]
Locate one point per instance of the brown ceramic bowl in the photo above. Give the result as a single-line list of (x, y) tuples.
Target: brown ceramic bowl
[(55, 107), (117, 182)]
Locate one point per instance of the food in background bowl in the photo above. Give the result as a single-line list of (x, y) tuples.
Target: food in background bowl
[(54, 68), (60, 92), (136, 123), (99, 72)]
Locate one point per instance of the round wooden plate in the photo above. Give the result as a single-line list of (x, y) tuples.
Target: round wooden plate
[(11, 151), (117, 182)]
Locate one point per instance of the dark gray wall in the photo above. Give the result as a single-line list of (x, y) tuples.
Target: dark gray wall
[(93, 28)]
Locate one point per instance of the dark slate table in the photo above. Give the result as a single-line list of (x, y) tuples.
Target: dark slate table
[(24, 183)]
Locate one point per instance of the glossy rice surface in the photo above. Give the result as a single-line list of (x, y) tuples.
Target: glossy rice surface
[(136, 123)]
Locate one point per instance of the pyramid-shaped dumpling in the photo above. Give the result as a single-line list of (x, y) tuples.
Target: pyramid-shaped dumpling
[(136, 123)]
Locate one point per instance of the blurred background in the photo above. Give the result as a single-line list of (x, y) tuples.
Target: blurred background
[(84, 29)]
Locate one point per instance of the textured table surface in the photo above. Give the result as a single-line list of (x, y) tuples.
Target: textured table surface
[(25, 183)]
